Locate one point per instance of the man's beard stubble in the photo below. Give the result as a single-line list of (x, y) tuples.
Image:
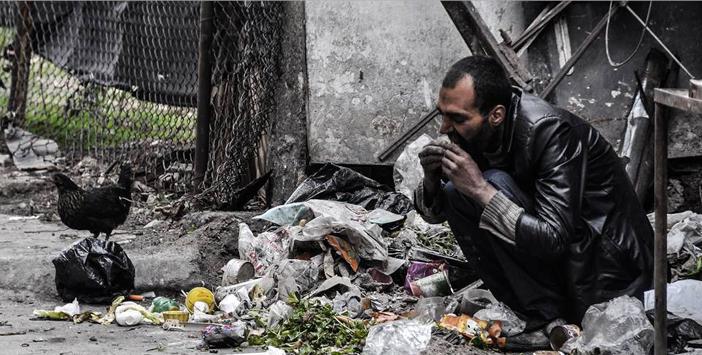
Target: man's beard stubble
[(486, 140)]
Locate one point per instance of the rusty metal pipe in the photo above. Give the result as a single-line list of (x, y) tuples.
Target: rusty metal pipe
[(204, 107)]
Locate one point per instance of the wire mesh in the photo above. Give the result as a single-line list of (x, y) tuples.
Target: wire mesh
[(246, 48), (118, 81)]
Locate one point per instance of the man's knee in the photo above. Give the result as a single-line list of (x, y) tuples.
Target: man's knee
[(459, 203), (499, 179), (503, 182)]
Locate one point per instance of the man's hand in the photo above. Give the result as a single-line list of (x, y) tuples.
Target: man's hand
[(467, 178), (430, 157)]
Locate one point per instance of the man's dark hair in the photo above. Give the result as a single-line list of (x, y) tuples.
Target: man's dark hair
[(490, 82)]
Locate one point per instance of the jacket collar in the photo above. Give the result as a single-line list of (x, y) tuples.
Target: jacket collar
[(500, 157), (512, 118)]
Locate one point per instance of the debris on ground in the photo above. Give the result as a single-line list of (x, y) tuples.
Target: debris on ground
[(683, 299), (326, 275), (333, 182), (314, 327), (616, 327), (398, 337)]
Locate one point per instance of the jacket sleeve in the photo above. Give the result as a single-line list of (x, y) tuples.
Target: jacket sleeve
[(558, 154)]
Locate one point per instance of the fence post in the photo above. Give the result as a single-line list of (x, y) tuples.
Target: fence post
[(20, 70), (204, 107), (287, 155)]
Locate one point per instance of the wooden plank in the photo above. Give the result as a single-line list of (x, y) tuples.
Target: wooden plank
[(677, 98)]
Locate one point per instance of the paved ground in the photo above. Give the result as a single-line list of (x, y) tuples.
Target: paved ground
[(63, 337), (28, 245), (21, 334)]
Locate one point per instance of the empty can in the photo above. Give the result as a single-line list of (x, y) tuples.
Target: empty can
[(237, 271), (561, 334), (432, 286)]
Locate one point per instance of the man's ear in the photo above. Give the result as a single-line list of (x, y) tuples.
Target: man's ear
[(497, 116)]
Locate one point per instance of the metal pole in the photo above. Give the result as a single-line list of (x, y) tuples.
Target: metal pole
[(660, 274), (204, 107), (17, 102)]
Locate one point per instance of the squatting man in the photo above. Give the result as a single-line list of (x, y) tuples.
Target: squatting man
[(537, 199)]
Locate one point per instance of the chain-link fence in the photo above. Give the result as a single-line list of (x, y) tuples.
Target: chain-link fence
[(246, 47), (118, 81)]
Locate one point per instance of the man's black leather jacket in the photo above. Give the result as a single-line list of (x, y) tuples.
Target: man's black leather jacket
[(586, 214)]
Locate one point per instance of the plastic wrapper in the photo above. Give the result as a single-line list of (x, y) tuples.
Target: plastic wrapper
[(278, 312), (263, 250), (481, 333), (407, 171), (294, 275), (93, 271), (264, 285), (64, 312), (402, 337), (224, 336), (234, 303), (511, 324), (367, 240), (130, 313), (430, 309), (617, 327), (352, 223), (349, 302), (335, 284), (70, 309), (163, 304), (332, 182)]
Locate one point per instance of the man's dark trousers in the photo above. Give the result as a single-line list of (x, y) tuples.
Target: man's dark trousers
[(531, 287)]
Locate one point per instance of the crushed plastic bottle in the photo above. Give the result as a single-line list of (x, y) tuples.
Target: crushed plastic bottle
[(617, 327)]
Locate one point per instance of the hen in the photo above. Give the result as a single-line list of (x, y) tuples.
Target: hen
[(98, 210)]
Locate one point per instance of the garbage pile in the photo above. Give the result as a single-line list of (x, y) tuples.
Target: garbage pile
[(347, 266)]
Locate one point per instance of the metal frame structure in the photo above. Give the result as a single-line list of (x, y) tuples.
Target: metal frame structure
[(678, 99)]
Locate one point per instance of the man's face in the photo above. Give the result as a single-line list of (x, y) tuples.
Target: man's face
[(462, 121)]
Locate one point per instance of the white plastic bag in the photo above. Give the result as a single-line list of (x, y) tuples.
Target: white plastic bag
[(407, 171), (683, 299)]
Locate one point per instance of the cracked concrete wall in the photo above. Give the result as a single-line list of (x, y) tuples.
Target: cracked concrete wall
[(375, 68)]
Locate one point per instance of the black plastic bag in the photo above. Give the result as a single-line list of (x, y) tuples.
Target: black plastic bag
[(680, 331), (333, 182), (94, 271)]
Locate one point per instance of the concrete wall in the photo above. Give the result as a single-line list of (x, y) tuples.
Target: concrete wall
[(374, 70)]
